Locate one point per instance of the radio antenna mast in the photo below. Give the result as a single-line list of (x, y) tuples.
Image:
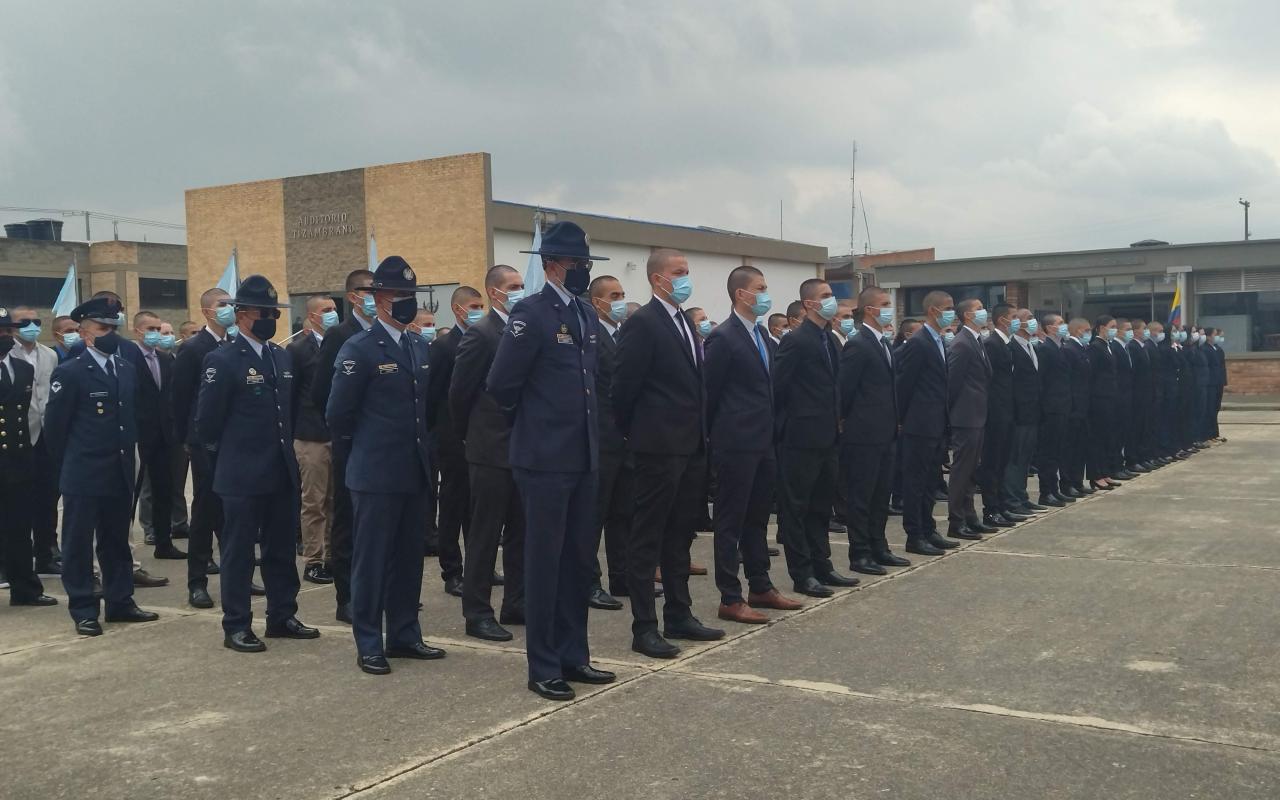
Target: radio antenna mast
[(853, 198)]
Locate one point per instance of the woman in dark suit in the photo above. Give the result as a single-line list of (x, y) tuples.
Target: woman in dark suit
[(906, 329), (1103, 395)]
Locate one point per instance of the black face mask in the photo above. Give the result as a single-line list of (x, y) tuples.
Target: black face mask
[(404, 310), (263, 329), (107, 343), (6, 344), (577, 280)]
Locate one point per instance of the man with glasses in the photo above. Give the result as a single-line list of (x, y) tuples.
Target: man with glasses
[(43, 499)]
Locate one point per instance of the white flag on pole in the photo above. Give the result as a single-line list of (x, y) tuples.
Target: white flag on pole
[(230, 280), (69, 295), (534, 277)]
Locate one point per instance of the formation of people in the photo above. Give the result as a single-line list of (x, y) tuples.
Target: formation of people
[(540, 425)]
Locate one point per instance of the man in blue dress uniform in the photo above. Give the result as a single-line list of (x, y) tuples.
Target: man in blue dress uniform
[(92, 433), (379, 402), (544, 374), (243, 414)]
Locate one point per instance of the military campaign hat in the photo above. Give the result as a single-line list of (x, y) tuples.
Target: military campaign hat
[(566, 240), (106, 310), (257, 292), (6, 319), (395, 273)]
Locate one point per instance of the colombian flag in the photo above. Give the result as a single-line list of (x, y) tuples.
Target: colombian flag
[(1175, 311)]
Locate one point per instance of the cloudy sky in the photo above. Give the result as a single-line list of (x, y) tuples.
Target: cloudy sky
[(986, 127)]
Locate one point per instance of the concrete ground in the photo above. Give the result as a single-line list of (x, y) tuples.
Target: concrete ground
[(1124, 647)]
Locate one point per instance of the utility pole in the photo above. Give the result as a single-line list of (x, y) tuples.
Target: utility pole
[(1246, 205), (853, 198)]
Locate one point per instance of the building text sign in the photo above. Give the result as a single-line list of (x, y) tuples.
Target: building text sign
[(322, 226)]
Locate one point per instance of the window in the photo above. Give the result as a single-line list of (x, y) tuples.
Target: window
[(20, 290), (1250, 320), (162, 293), (990, 295)]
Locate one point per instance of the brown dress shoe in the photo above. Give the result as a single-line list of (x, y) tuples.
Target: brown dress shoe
[(697, 569), (773, 599), (740, 612)]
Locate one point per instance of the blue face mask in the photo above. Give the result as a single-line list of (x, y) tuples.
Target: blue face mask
[(1032, 326), (762, 304), (617, 310), (1160, 337), (1146, 334), (1111, 334), (29, 332), (474, 315), (428, 334), (846, 326), (1063, 330), (1219, 340), (1128, 336), (885, 315), (948, 337), (225, 316), (151, 338), (948, 317), (704, 327), (167, 341), (328, 319), (887, 335), (681, 289), (829, 308), (233, 331), (70, 340), (980, 317), (369, 305), (1086, 337), (1015, 325), (514, 296)]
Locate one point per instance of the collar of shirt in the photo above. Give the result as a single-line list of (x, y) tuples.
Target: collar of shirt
[(98, 356), (609, 327), (1026, 343), (147, 351), (215, 336), (750, 325), (257, 346), (937, 337), (319, 337), (776, 339), (1004, 336), (1076, 339), (565, 297), (395, 334), (976, 335), (502, 315), (878, 334), (672, 311), (366, 324)]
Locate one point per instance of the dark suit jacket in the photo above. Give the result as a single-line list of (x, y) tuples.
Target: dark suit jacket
[(15, 402), (658, 394), (334, 339), (1081, 376), (308, 418), (968, 374), (921, 380), (806, 397), (188, 373), (90, 424), (1199, 365), (1217, 365), (1000, 385), (1156, 359), (1055, 378), (611, 440), (1026, 384), (441, 356), (155, 403), (1102, 373), (1142, 381), (1124, 370), (868, 393), (739, 389), (478, 419)]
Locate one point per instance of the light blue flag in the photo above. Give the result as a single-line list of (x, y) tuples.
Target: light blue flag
[(230, 280), (373, 251), (68, 296), (534, 277)]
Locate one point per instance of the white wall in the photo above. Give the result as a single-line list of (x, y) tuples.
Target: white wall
[(708, 271)]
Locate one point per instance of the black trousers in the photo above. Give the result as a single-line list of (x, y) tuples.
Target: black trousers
[(1098, 456), (15, 538), (496, 518), (386, 569), (341, 524), (840, 509), (42, 497), (867, 475), (455, 511), (740, 519), (895, 481), (157, 461), (921, 458), (1216, 399), (1152, 445), (1170, 442), (206, 518), (1135, 435), (1121, 420), (997, 449), (102, 521), (1049, 452), (269, 520), (1022, 448), (431, 539), (560, 508), (669, 500), (615, 505), (808, 481), (966, 453)]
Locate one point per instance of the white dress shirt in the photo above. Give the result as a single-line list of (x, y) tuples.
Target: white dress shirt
[(43, 360), (682, 325)]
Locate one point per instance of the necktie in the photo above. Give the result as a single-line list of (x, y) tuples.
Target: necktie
[(407, 346), (764, 353), (826, 349), (154, 366), (684, 333), (5, 380), (888, 355), (111, 366)]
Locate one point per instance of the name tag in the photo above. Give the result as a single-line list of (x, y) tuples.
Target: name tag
[(286, 374), (252, 379), (388, 369), (564, 338), (99, 394)]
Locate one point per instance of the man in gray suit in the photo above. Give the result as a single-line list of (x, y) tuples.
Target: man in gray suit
[(968, 373)]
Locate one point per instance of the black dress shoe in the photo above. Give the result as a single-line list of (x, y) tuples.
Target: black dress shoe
[(256, 591), (922, 547), (588, 674), (132, 614), (691, 629), (498, 579), (488, 629), (1068, 493), (419, 650), (1125, 475), (867, 566), (554, 689), (963, 532), (212, 568), (88, 627), (1032, 508), (97, 586), (1104, 487), (453, 586), (834, 578), (651, 644), (374, 665), (169, 552), (996, 520), (316, 573), (38, 600), (199, 598), (292, 628), (978, 527), (836, 527), (146, 580), (937, 541), (811, 587), (1015, 516), (343, 614), (1137, 469), (1051, 501), (888, 559), (49, 568), (603, 600), (940, 497), (1067, 499), (1085, 491), (773, 551), (243, 642)]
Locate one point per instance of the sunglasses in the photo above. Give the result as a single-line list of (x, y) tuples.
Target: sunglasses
[(22, 323)]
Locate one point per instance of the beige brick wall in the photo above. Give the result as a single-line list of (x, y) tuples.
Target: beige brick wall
[(1253, 376), (247, 215), (434, 214)]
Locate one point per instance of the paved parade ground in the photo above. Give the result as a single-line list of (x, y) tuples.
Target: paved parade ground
[(1124, 647)]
